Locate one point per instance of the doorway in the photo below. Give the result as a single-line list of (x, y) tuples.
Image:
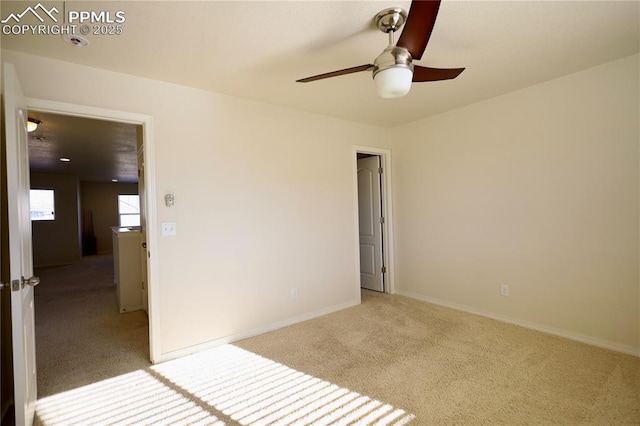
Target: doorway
[(372, 180), (145, 151), (96, 188)]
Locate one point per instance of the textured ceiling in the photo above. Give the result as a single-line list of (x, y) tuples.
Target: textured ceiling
[(256, 50)]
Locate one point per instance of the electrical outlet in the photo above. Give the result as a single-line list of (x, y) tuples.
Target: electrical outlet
[(504, 290), (294, 293), (168, 229)]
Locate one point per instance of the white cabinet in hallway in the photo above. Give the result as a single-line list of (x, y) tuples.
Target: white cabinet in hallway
[(126, 268)]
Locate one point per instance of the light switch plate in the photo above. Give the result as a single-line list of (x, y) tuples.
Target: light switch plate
[(168, 229)]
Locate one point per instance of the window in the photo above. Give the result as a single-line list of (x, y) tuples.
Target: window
[(129, 210), (42, 203)]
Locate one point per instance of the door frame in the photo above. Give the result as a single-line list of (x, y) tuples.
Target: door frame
[(146, 121), (387, 212)]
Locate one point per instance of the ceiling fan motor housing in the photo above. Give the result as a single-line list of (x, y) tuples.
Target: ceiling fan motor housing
[(393, 56), (393, 72)]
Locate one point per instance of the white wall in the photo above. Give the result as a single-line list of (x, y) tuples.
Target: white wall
[(537, 189), (264, 200)]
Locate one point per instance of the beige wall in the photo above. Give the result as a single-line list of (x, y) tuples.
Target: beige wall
[(101, 198), (264, 200), (537, 189), (57, 242)]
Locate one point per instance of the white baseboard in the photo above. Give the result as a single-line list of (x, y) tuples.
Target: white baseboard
[(254, 332), (630, 350)]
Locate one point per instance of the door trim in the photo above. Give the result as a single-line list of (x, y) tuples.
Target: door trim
[(146, 121), (387, 212)]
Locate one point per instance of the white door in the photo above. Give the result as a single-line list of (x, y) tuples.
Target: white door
[(20, 257), (370, 223)]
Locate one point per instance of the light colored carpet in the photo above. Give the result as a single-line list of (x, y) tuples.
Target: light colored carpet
[(449, 367), (80, 335), (390, 360)]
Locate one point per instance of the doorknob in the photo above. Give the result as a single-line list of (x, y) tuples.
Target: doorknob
[(17, 285), (144, 245), (33, 281)]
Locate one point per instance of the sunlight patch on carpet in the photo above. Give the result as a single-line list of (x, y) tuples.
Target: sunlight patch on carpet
[(133, 398), (253, 390), (215, 387)]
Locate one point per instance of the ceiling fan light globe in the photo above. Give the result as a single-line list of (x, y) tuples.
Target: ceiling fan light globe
[(393, 82)]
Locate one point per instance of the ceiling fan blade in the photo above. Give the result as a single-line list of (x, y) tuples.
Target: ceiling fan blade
[(434, 74), (336, 73), (417, 29)]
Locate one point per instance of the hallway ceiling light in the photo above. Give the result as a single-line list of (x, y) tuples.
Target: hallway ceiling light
[(32, 124), (65, 159)]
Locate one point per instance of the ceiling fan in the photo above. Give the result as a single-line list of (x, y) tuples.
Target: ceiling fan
[(393, 70)]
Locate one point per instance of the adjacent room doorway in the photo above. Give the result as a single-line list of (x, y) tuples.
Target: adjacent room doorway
[(147, 199), (374, 226), (370, 221)]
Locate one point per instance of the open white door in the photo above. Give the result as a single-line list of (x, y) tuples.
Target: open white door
[(370, 224), (20, 254)]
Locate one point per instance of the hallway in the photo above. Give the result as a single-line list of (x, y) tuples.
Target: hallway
[(81, 337)]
